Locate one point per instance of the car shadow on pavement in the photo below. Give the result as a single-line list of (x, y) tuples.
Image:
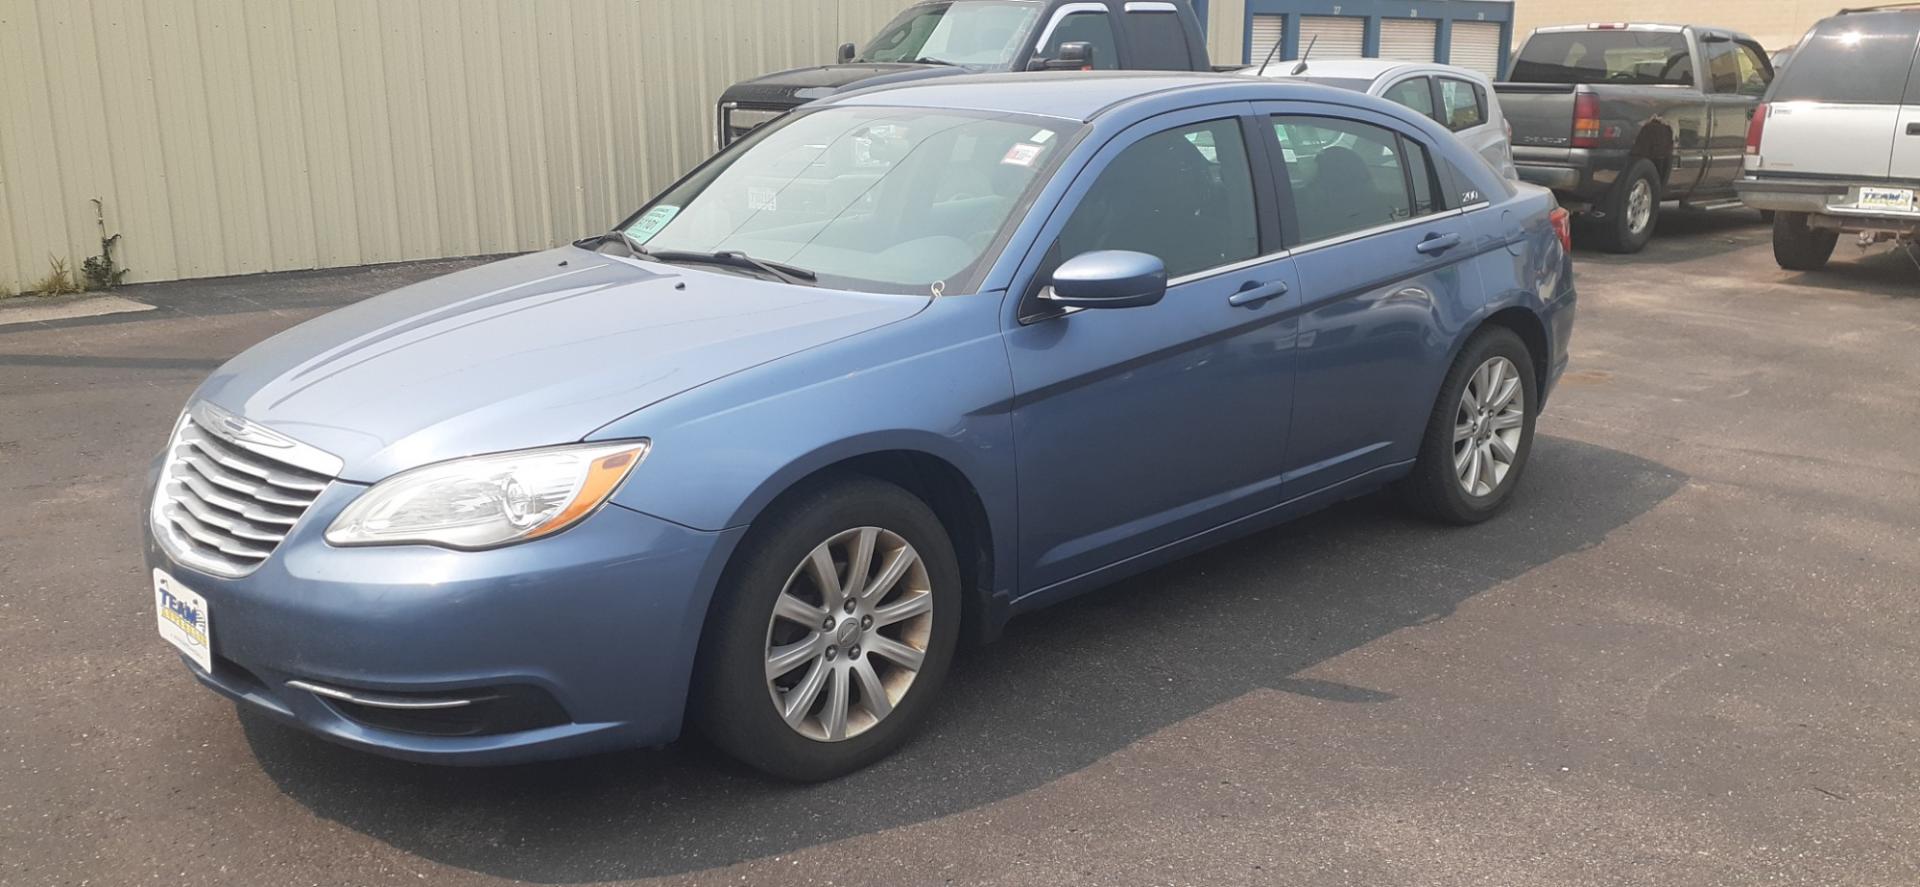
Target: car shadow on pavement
[(1064, 688), (1883, 270), (1683, 236)]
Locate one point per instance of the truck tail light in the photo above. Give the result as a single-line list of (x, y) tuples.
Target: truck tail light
[(1586, 120), (1563, 226), (1757, 128)]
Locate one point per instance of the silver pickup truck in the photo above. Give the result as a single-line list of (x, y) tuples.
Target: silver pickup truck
[(1836, 147), (1617, 118)]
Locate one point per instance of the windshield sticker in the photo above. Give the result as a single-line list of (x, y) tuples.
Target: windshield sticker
[(1041, 137), (651, 223), (1022, 154), (763, 199)]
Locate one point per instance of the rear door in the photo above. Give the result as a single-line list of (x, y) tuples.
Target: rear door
[(1836, 110), (1382, 253)]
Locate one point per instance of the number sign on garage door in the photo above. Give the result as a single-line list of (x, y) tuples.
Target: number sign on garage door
[(1267, 31), (1476, 46), (1408, 39), (1333, 36)]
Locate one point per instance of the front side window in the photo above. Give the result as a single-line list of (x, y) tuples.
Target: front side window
[(1462, 106), (1184, 195), (1091, 28), (1347, 176), (1414, 93), (1605, 56), (883, 199), (975, 33), (1754, 72)]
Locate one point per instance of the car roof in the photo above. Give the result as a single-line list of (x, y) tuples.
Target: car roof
[(1367, 68), (1069, 96)]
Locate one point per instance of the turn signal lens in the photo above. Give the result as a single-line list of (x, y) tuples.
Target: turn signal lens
[(1563, 226), (488, 501), (1586, 120), (1757, 128)]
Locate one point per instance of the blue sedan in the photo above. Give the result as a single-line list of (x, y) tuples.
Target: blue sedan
[(892, 370)]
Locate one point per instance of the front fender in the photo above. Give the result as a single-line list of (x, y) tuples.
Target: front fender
[(937, 384)]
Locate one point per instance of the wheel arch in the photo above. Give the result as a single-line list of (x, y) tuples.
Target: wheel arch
[(1532, 330), (1655, 143), (949, 491)]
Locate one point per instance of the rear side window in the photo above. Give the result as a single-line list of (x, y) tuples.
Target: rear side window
[(1159, 43), (1414, 92), (1349, 176), (1858, 59), (1091, 28), (1643, 57), (1462, 105)]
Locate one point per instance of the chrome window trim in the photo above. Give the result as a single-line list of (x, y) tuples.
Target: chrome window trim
[(1351, 236), (1151, 6), (1228, 268), (1061, 13)]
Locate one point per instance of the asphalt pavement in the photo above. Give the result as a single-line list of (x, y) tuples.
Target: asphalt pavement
[(1686, 656)]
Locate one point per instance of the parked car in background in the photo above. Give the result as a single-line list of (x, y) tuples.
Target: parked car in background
[(906, 360), (1617, 118), (1836, 147), (1459, 99), (943, 38)]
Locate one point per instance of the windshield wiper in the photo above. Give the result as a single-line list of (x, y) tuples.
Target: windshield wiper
[(929, 60), (737, 259)]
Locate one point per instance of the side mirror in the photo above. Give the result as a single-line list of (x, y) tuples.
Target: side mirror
[(1074, 56), (846, 53), (1110, 278)]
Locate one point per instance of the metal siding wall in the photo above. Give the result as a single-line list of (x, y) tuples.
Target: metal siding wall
[(235, 136), (1227, 31), (1775, 23)]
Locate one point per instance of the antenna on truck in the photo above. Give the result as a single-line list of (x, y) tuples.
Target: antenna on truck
[(1302, 67)]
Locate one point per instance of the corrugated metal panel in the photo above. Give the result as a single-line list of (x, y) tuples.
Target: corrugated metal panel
[(234, 136), (1409, 39), (1226, 30), (1268, 31), (1333, 36), (1476, 46)]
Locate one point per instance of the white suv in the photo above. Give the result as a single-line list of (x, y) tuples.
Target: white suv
[(1836, 145)]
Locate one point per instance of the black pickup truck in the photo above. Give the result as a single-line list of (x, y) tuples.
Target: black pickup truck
[(1616, 118), (944, 37)]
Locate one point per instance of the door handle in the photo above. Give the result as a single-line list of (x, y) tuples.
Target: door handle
[(1254, 292), (1436, 244), (1913, 129)]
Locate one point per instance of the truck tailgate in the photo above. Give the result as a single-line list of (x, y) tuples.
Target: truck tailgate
[(1541, 114)]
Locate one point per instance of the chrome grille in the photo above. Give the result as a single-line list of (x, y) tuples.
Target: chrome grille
[(223, 506)]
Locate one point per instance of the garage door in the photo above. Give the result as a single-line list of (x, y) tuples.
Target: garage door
[(1333, 36), (1267, 30), (1408, 39), (1476, 46)]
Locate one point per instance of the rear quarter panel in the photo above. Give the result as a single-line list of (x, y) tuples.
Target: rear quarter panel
[(1530, 271)]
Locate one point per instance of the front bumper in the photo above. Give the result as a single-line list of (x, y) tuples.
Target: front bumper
[(597, 626)]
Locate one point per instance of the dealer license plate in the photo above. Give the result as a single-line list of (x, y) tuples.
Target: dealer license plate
[(1886, 198), (183, 619)]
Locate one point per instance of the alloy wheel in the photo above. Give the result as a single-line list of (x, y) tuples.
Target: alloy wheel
[(848, 634), (1487, 426), (1640, 206)]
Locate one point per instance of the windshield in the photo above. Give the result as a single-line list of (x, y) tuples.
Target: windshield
[(880, 199), (1605, 56), (976, 33)]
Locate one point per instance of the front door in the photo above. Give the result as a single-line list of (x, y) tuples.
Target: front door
[(1138, 427), (1382, 249), (1737, 77)]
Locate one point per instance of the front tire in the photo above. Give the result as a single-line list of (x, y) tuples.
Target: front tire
[(831, 631), (1798, 246), (1632, 209), (1479, 434)]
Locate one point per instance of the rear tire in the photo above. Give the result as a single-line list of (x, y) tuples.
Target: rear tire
[(1798, 246), (766, 682), (1631, 208), (1438, 487)]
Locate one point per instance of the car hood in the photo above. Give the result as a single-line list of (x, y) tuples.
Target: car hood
[(801, 85), (536, 350)]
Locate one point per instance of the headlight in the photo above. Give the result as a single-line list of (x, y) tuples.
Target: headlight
[(488, 501)]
